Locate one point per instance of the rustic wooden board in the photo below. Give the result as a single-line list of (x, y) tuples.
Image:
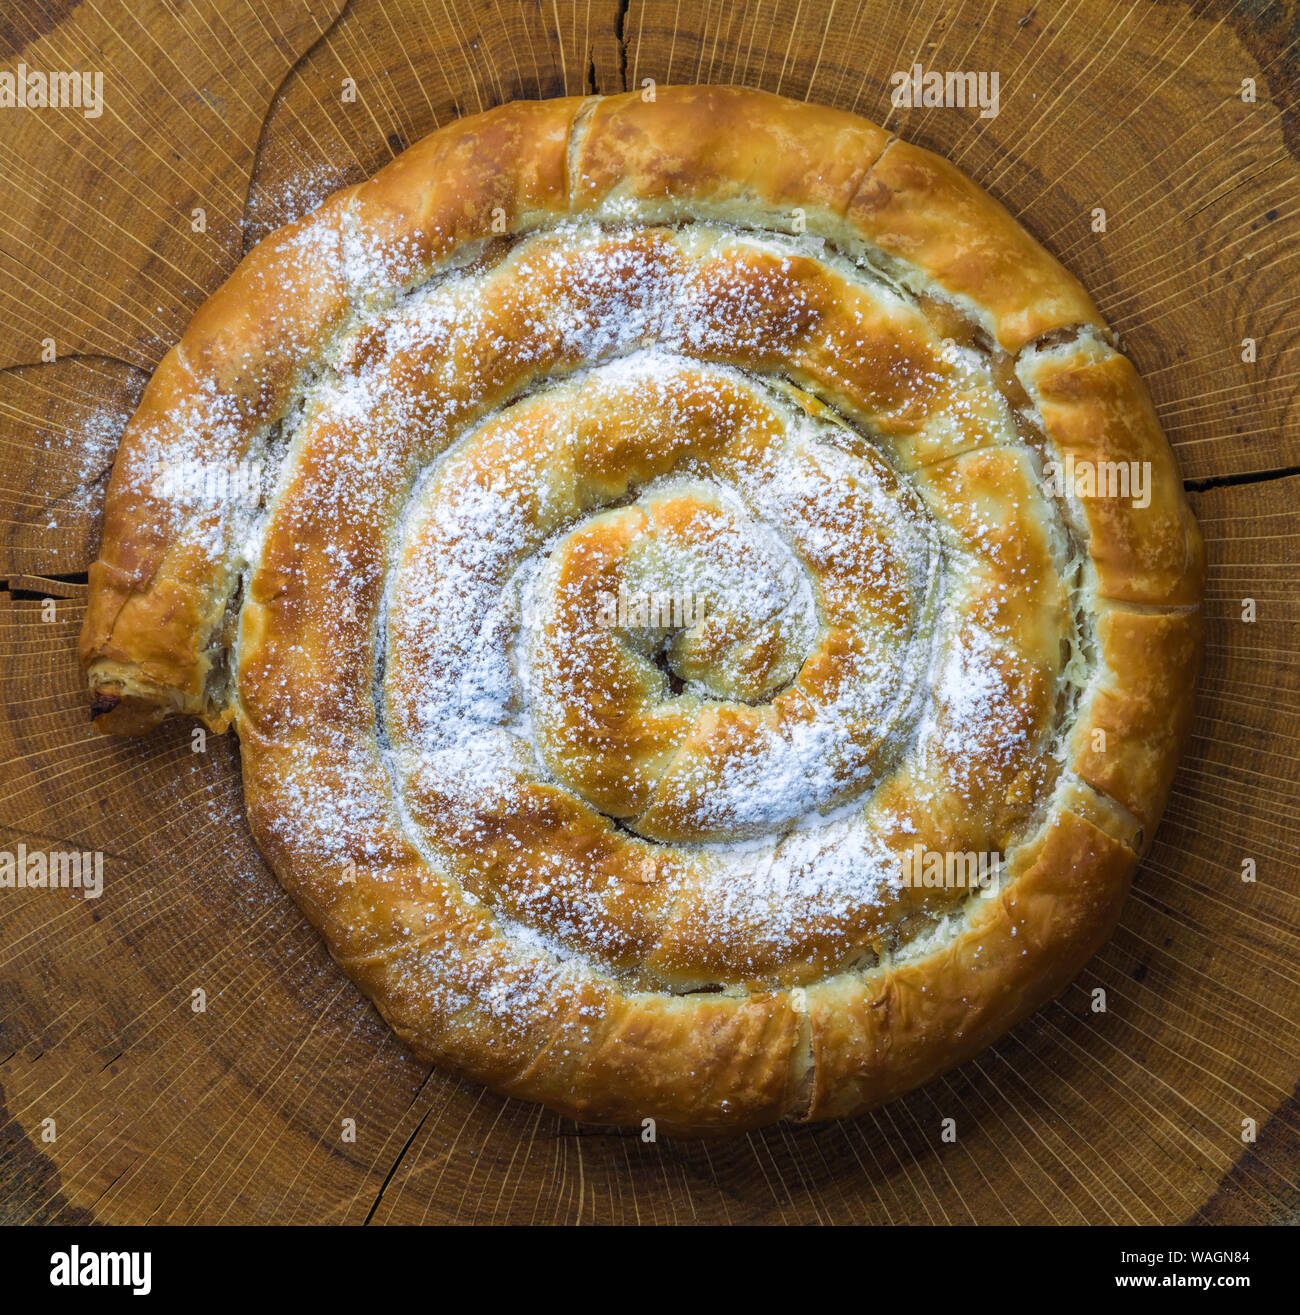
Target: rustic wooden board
[(237, 1113)]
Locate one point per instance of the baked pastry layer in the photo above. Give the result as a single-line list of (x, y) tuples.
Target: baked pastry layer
[(634, 540)]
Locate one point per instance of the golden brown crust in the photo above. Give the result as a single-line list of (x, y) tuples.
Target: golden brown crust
[(745, 153), (879, 1035), (589, 348), (1142, 539), (1130, 734), (491, 174), (922, 210)]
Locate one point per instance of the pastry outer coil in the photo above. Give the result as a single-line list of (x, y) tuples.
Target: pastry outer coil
[(636, 554)]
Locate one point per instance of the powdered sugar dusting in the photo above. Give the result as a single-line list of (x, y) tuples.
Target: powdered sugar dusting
[(494, 417)]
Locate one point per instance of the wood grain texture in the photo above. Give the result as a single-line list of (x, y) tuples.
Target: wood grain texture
[(237, 1113)]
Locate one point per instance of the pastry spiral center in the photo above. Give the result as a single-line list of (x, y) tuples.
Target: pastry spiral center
[(653, 626), (687, 580), (707, 647)]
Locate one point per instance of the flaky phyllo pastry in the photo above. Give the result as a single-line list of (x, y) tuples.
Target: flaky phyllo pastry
[(666, 559)]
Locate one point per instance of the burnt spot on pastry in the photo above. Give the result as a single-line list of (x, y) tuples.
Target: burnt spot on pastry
[(104, 701)]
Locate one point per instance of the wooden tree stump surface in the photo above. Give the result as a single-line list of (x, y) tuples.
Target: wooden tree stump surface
[(119, 1103)]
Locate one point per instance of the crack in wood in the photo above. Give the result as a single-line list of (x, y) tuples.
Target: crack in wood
[(22, 587), (401, 1155), (78, 356), (620, 35), (245, 245), (1233, 481)]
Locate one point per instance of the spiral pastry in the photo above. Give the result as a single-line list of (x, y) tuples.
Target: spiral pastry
[(668, 664)]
